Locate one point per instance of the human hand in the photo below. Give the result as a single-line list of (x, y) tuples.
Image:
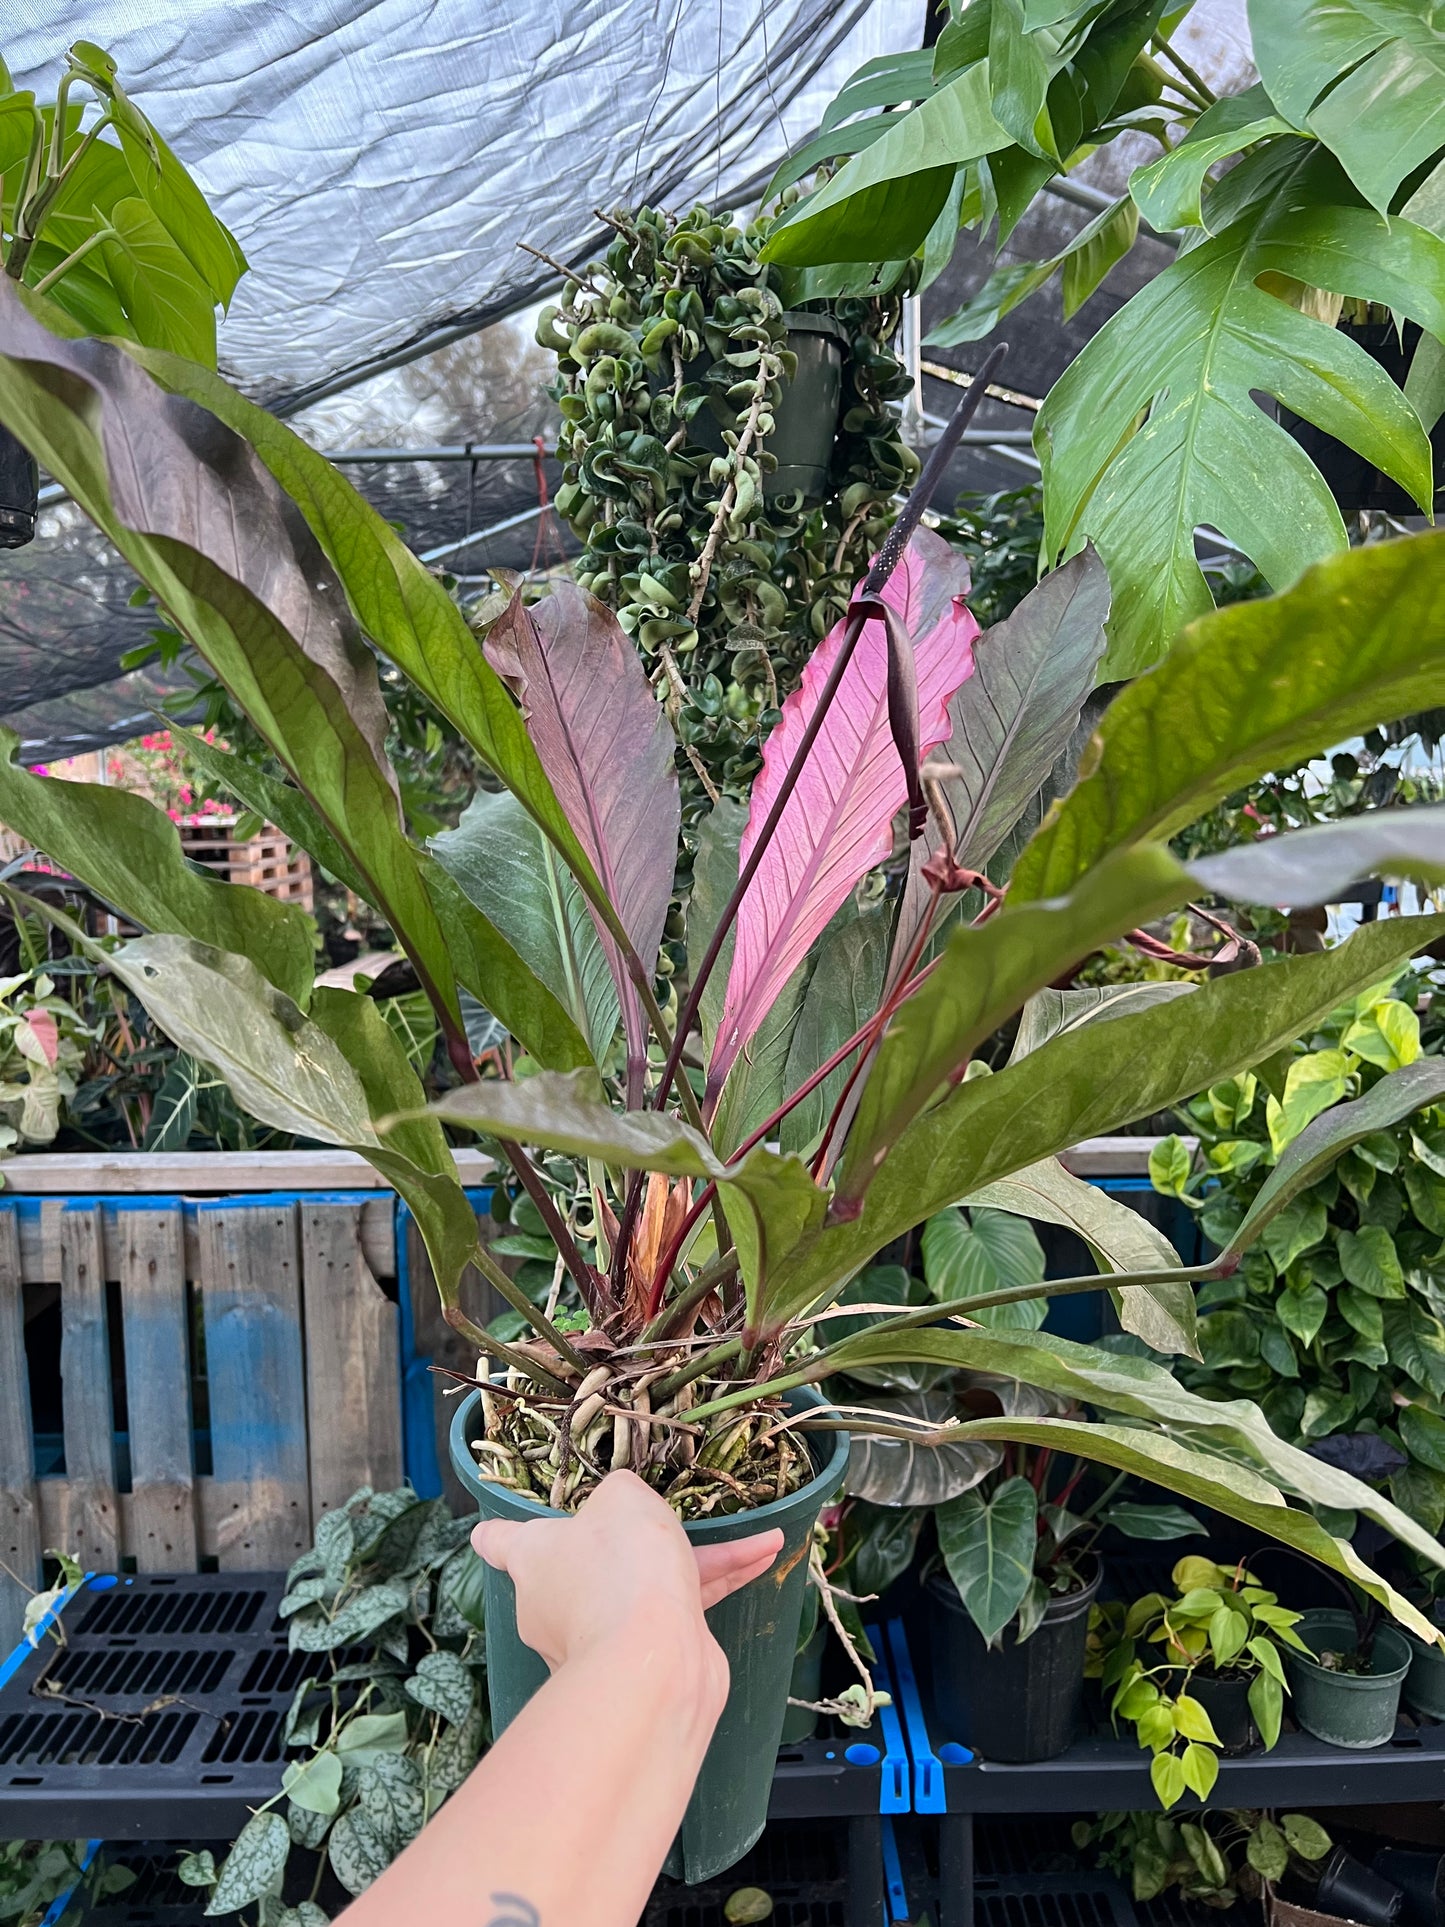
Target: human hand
[(621, 1564)]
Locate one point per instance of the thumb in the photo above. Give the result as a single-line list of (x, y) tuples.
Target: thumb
[(494, 1541)]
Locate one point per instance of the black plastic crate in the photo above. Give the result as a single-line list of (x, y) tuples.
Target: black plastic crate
[(158, 1896), (803, 1865), (159, 1718), (1005, 1872)]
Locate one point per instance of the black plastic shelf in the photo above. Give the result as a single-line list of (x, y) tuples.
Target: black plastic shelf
[(1104, 1772), (1024, 1874), (161, 1719)]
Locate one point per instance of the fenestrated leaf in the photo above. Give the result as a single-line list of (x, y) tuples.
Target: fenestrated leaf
[(1365, 636), (1306, 867), (1310, 1154), (1188, 354), (896, 186), (1168, 191), (499, 857), (1162, 1313), (482, 955), (607, 748), (207, 530), (983, 976), (837, 821), (254, 1865), (399, 602), (130, 851), (1136, 1388), (986, 1252), (1010, 722), (1088, 1082), (1367, 76), (988, 1548), (1049, 1012)]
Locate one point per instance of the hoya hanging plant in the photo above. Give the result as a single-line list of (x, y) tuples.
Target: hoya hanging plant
[(712, 1186)]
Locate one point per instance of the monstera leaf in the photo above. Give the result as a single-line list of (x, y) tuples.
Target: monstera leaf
[(1366, 76), (1187, 356)]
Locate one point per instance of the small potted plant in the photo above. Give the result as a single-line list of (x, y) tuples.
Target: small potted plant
[(1219, 1858), (1008, 1612), (1179, 1669), (1347, 1676)]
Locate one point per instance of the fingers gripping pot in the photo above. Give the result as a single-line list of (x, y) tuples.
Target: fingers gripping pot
[(756, 1627)]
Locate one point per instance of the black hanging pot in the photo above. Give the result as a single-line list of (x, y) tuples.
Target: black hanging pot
[(19, 493), (1354, 482)]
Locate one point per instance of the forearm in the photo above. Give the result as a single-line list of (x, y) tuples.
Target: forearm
[(567, 1820)]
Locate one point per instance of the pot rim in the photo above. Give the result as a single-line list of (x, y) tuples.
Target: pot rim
[(829, 1474), (801, 322), (1066, 1602)]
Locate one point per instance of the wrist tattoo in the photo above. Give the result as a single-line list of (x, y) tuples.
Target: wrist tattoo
[(515, 1912)]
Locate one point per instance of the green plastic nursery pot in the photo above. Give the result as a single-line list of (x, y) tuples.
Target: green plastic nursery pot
[(1357, 1710), (807, 413), (757, 1628), (1424, 1689)]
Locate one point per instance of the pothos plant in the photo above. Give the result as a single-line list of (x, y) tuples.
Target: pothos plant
[(672, 358), (1153, 429), (388, 1721), (1221, 1625), (103, 219), (727, 1216), (1336, 1318)]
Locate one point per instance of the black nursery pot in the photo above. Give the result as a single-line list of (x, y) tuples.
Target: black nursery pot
[(19, 493), (1352, 1891), (1226, 1701), (1014, 1703), (1354, 482)]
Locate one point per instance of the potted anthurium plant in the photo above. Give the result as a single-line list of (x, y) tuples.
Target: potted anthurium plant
[(713, 1183)]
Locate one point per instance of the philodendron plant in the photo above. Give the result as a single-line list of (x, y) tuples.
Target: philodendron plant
[(817, 1097)]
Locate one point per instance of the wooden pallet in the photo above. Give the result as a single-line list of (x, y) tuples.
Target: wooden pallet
[(275, 1320), (267, 861)]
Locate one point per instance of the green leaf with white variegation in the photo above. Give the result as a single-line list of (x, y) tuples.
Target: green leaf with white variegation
[(988, 1551), (1302, 868)]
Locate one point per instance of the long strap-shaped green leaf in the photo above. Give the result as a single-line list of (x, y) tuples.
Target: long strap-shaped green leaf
[(205, 527), (1359, 640), (400, 604), (130, 853)]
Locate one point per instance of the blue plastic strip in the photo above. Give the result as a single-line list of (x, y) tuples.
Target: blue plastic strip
[(17, 1657), (894, 1780), (895, 1893), (58, 1906), (928, 1793), (418, 1424)]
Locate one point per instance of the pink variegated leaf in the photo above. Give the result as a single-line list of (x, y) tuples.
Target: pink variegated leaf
[(607, 749), (838, 821)]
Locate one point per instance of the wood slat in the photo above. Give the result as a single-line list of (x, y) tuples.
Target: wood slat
[(157, 1387), (93, 1525), (353, 1387), (250, 1284), (20, 1543), (84, 1173), (40, 1238)]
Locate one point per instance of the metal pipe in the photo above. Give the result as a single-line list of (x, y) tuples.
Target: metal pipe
[(450, 452), (480, 535), (1096, 201)]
